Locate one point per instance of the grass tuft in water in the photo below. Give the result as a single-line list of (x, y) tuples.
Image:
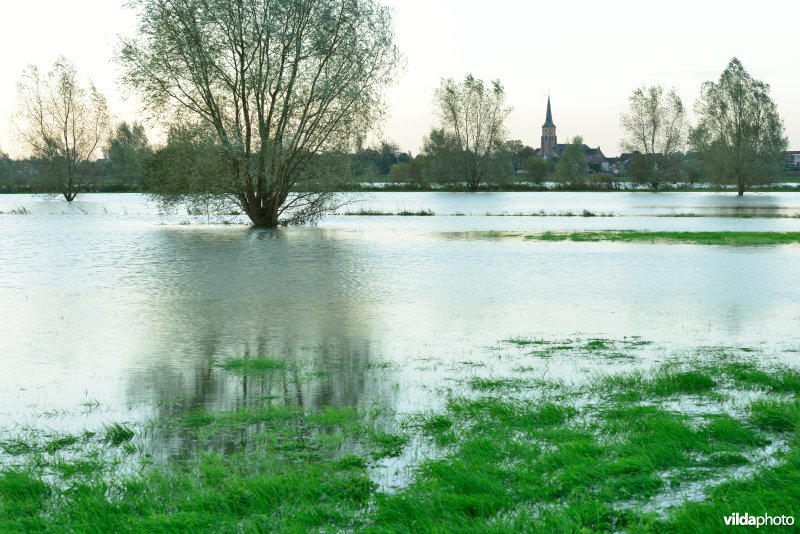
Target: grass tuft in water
[(253, 365), (780, 415), (698, 238), (116, 434), (60, 443)]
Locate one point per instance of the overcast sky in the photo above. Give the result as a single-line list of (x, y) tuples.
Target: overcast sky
[(589, 55)]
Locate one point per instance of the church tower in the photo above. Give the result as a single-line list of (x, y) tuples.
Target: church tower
[(549, 139)]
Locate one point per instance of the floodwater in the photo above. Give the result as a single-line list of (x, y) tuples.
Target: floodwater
[(112, 312)]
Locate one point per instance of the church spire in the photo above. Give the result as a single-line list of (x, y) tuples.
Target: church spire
[(548, 121), (549, 139)]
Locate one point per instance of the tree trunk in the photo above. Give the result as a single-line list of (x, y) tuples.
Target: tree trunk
[(261, 217), (740, 184)]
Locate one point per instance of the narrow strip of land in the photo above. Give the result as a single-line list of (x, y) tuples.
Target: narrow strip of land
[(697, 238)]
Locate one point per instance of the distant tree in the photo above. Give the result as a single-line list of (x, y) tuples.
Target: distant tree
[(5, 167), (128, 150), (364, 164), (518, 153), (640, 169), (472, 116), (444, 157), (655, 126), (279, 83), (572, 166), (375, 161), (538, 168), (692, 170), (400, 173), (63, 123), (389, 152), (740, 135)]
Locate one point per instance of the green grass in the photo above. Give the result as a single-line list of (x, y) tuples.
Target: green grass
[(117, 434), (697, 238), (253, 365), (512, 452), (779, 415), (60, 443)]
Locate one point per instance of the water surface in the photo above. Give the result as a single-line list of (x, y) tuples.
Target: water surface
[(106, 301)]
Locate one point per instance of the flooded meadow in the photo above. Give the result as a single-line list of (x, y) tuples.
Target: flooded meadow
[(405, 329)]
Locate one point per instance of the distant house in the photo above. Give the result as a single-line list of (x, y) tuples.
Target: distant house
[(793, 158), (551, 149), (592, 155)]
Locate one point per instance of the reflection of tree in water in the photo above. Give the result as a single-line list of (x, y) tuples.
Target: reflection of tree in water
[(296, 295)]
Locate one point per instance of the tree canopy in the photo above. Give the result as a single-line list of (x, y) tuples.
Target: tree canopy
[(472, 116), (740, 135), (572, 166), (129, 151), (276, 82), (63, 123), (655, 126)]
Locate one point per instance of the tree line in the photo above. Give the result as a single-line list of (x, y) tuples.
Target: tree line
[(268, 104)]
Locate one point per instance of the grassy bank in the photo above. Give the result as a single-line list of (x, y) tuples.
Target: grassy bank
[(698, 238), (673, 449), (787, 185)]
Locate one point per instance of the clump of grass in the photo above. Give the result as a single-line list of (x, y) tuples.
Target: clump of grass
[(60, 443), (403, 213), (724, 428), (665, 381), (16, 447), (85, 468), (365, 212), (253, 365), (334, 417), (387, 444), (116, 434), (22, 497), (697, 238), (597, 344), (524, 341), (22, 210), (726, 459), (781, 415), (196, 418), (681, 382), (748, 375), (418, 213), (499, 384)]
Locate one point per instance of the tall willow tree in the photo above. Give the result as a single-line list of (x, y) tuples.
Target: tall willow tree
[(63, 123), (472, 116), (655, 126), (278, 83), (740, 135)]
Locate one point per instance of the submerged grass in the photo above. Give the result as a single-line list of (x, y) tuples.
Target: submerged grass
[(503, 454), (251, 365), (697, 238)]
